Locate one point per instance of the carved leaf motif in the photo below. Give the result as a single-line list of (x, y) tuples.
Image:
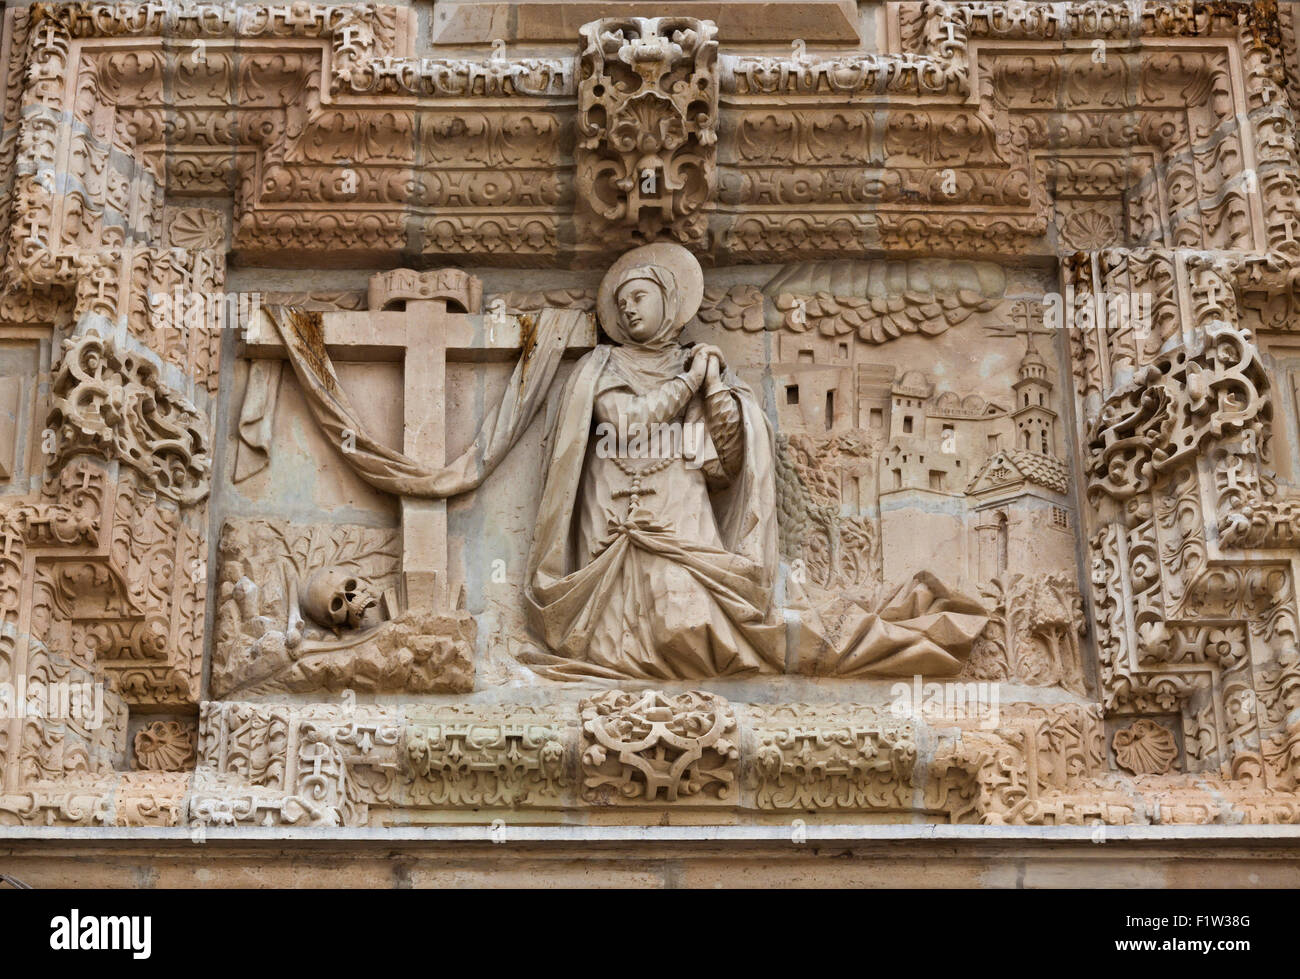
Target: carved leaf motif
[(113, 403)]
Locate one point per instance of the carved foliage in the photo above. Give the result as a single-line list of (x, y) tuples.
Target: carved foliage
[(291, 765), (485, 757), (1041, 765), (1173, 407), (1034, 633), (113, 403), (840, 551), (830, 758)]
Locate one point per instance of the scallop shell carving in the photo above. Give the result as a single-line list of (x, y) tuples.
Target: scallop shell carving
[(164, 746), (1145, 748), (195, 228)]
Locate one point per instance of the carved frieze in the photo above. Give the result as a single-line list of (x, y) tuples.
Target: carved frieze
[(463, 757), (112, 577), (289, 765), (819, 758), (1039, 765)]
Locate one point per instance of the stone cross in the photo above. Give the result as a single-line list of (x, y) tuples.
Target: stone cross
[(440, 322)]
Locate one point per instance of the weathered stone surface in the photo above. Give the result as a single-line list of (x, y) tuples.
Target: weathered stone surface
[(649, 413)]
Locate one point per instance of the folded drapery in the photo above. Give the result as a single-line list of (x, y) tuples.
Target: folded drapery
[(661, 596), (391, 471), (257, 418), (923, 628)]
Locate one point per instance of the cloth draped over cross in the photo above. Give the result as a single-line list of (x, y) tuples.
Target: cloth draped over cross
[(385, 468), (257, 418)]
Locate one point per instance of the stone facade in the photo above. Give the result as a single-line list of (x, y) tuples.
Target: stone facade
[(971, 324)]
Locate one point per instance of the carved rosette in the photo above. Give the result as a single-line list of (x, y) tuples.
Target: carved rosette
[(647, 123)]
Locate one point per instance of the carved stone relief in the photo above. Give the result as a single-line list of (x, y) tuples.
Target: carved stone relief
[(637, 747), (112, 404), (975, 329), (318, 608)]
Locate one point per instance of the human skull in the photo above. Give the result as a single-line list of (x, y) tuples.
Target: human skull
[(336, 598)]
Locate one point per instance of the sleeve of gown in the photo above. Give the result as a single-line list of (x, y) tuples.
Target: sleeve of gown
[(664, 405), (722, 414)]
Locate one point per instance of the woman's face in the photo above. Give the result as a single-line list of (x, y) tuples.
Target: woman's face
[(640, 308)]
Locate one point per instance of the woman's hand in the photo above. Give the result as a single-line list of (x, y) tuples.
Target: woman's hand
[(706, 364), (713, 375), (696, 373), (707, 351), (711, 357)]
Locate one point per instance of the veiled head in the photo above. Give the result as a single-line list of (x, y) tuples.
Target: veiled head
[(650, 294), (645, 300)]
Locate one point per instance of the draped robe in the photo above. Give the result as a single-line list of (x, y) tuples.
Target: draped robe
[(680, 585)]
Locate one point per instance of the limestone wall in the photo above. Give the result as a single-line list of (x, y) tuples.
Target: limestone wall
[(986, 309)]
